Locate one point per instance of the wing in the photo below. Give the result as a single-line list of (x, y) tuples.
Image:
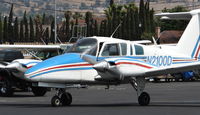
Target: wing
[(36, 47), (172, 69), (135, 68)]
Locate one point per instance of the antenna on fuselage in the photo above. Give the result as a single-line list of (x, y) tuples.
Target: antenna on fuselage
[(115, 30), (154, 41)]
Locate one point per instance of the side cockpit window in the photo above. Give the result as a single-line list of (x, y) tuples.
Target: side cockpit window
[(123, 48), (110, 50), (139, 50)]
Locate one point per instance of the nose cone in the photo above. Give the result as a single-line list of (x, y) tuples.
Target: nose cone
[(52, 65), (101, 66)]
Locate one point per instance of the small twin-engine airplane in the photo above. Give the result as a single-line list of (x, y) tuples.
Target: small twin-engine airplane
[(110, 61)]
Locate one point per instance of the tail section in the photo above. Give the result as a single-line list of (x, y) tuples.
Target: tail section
[(189, 43)]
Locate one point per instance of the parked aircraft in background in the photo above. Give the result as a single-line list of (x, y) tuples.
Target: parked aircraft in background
[(110, 61), (12, 72)]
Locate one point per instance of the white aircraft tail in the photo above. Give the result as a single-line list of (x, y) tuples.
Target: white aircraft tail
[(189, 43)]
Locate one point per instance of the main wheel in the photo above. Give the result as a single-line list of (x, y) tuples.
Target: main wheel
[(144, 99), (66, 99), (39, 91), (6, 87), (55, 101)]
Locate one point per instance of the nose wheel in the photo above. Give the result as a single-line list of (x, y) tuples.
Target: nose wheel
[(62, 98), (144, 99), (139, 85)]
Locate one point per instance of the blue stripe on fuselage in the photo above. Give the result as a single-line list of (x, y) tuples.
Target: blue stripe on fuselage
[(86, 68), (67, 58)]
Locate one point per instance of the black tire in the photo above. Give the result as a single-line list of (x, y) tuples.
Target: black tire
[(6, 89), (66, 99), (144, 99), (39, 91), (55, 101)]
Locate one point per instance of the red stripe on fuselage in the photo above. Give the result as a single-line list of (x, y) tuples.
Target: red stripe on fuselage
[(137, 64), (29, 67), (64, 66), (185, 59), (197, 52)]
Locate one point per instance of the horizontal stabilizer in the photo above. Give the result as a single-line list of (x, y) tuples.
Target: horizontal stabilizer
[(175, 16)]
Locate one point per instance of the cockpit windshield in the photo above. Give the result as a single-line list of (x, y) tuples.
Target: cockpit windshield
[(84, 45)]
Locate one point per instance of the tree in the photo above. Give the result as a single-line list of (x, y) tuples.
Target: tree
[(16, 30), (109, 14), (32, 32), (38, 28), (96, 28), (152, 22), (1, 30), (88, 21), (102, 28), (44, 18), (26, 33), (5, 30), (147, 18), (21, 33), (142, 15), (111, 2), (137, 26), (10, 26), (68, 15), (52, 37), (46, 37)]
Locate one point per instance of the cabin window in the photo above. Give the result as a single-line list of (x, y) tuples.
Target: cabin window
[(123, 48), (111, 50), (139, 50)]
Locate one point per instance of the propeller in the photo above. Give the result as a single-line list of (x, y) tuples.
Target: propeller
[(16, 66), (89, 59), (101, 66), (106, 69)]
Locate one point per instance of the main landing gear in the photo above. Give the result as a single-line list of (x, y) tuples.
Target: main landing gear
[(139, 85), (61, 98)]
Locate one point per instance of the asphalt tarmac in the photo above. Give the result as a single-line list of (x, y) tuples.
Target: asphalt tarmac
[(175, 98)]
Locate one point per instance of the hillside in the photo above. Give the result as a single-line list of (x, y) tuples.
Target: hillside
[(96, 6)]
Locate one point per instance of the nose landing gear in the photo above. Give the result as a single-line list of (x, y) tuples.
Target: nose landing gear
[(62, 98), (139, 85)]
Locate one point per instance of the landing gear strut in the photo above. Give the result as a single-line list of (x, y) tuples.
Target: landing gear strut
[(61, 98), (139, 85)]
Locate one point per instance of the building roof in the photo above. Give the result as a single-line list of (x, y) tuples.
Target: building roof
[(170, 36)]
